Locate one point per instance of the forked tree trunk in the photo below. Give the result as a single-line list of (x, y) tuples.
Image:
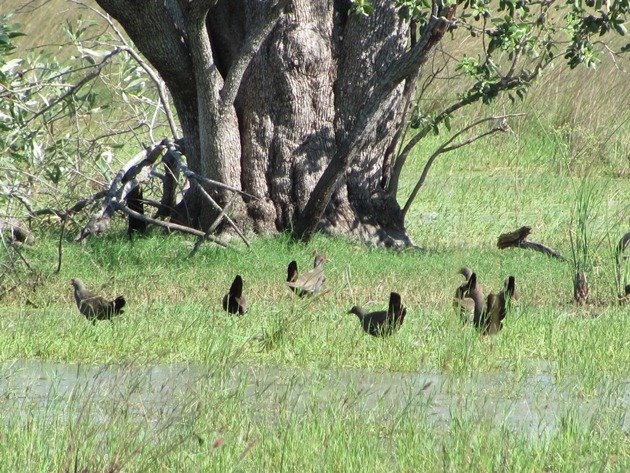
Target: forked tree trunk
[(298, 100)]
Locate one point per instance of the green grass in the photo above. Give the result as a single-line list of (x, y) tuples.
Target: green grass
[(174, 314), (213, 426)]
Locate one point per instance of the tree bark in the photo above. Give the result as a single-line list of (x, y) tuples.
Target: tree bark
[(308, 130)]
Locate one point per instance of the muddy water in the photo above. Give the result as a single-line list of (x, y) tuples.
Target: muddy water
[(533, 403)]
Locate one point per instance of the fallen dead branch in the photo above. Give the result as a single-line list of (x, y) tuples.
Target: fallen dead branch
[(518, 239), (139, 170)]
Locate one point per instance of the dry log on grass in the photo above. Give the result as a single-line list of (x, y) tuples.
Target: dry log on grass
[(518, 239)]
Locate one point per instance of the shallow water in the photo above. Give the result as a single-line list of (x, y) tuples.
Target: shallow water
[(533, 403)]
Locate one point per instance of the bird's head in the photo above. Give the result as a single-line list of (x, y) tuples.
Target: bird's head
[(77, 284), (320, 259), (466, 272), (356, 311)]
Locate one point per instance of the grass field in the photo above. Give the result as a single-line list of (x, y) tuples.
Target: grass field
[(174, 317), (295, 384)]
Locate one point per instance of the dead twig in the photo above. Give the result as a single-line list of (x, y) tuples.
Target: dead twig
[(211, 228)]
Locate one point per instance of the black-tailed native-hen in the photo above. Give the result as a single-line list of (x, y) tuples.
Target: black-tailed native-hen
[(234, 302), (308, 283), (95, 307), (384, 322), (463, 301)]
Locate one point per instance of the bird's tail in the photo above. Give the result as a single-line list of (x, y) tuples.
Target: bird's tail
[(510, 286), (119, 303), (292, 271), (236, 289)]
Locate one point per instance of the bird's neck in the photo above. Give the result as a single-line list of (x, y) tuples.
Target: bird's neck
[(359, 312)]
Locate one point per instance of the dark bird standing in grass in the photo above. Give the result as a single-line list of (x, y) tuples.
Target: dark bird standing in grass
[(234, 302), (488, 319), (135, 202), (95, 307), (382, 323), (498, 308), (462, 302), (292, 273), (470, 290), (310, 282)]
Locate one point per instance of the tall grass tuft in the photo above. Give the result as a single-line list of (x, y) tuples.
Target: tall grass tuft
[(581, 235)]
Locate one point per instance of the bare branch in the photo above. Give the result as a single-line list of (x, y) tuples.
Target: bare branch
[(190, 175), (222, 211), (249, 49), (135, 171), (445, 148), (161, 88), (211, 228), (140, 169), (169, 225)]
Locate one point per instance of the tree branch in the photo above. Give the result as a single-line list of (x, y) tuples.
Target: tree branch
[(364, 125), (196, 11), (139, 169), (159, 83), (190, 175), (248, 50), (445, 148), (211, 228), (169, 55), (72, 90), (504, 84), (169, 225), (221, 212)]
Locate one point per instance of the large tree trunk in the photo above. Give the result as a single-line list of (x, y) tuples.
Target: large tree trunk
[(298, 100)]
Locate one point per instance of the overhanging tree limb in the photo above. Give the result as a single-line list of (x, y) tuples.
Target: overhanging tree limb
[(159, 83), (75, 88), (365, 124), (447, 147)]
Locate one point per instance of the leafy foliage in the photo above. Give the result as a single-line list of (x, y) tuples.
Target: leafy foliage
[(518, 40), (63, 113)]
